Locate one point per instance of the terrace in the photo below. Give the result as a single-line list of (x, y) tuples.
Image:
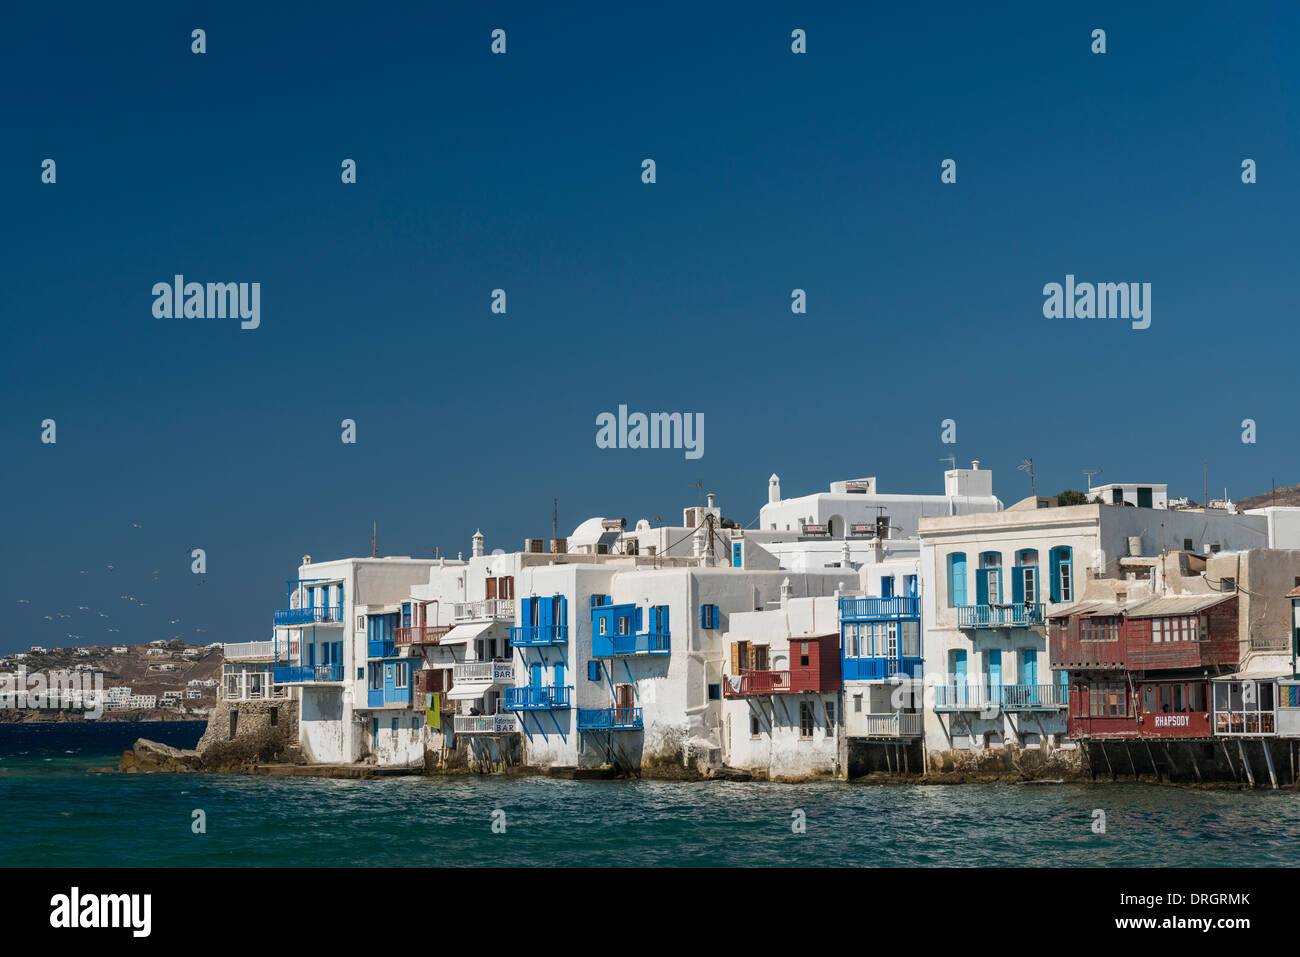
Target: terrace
[(609, 719), (537, 698)]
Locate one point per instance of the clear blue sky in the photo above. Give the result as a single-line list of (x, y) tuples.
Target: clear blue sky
[(522, 171)]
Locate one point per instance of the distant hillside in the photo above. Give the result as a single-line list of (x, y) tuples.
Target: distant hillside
[(1286, 495)]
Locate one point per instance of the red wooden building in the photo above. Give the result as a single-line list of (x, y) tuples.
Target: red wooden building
[(1142, 670), (814, 667)]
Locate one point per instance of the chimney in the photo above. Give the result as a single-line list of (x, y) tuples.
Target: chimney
[(975, 464), (774, 488), (477, 550), (710, 500), (785, 592), (306, 559)]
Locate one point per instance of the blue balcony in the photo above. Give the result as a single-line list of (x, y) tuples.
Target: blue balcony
[(537, 699), (380, 648), (617, 646), (311, 615), (538, 636), (979, 697), (299, 674), (870, 609), (1000, 616), (388, 697), (881, 669), (609, 719)]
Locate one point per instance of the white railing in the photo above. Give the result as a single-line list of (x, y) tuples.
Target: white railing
[(489, 608), (250, 651), (485, 724), (891, 725), (490, 671)]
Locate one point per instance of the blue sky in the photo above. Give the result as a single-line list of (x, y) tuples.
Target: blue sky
[(522, 172)]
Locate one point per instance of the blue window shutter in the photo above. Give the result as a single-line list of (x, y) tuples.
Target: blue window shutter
[(562, 610), (593, 670), (959, 666), (982, 586), (663, 619), (1028, 667), (957, 579), (704, 616), (559, 674), (1018, 585), (545, 612), (1054, 586), (636, 620)]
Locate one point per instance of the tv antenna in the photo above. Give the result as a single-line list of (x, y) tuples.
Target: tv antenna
[(1089, 473), (1028, 466)]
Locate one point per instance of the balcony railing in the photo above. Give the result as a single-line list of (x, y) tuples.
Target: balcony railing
[(1000, 616), (879, 669), (250, 651), (311, 615), (899, 607), (491, 672), (432, 680), (485, 724), (891, 725), (488, 608), (609, 719), (420, 634), (1245, 723), (295, 674), (616, 646), (756, 682), (532, 636), (968, 697), (535, 698)]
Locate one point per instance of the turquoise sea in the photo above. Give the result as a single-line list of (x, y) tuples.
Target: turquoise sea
[(54, 812)]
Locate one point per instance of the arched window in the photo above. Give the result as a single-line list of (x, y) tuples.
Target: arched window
[(988, 583), (1062, 585), (1025, 585), (957, 579)]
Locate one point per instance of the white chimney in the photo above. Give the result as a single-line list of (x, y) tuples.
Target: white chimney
[(785, 592), (306, 559), (774, 488), (710, 500), (975, 464), (477, 550)]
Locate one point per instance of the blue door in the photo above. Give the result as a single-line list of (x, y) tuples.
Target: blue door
[(1029, 675), (887, 586), (959, 675), (559, 674), (995, 677), (535, 675)]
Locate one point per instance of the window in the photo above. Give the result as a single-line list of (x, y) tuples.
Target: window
[(715, 692), (622, 624), (593, 669), (909, 586), (361, 621), (988, 583), (708, 616), (1228, 584), (1187, 545), (1024, 578), (805, 719), (394, 726), (857, 704), (755, 729), (1061, 584), (758, 657), (886, 586), (957, 579), (803, 654), (603, 622), (376, 678), (401, 674), (830, 717), (361, 673)]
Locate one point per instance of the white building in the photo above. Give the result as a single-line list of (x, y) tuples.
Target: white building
[(1139, 496)]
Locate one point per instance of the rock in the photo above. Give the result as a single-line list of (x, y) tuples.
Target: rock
[(150, 756)]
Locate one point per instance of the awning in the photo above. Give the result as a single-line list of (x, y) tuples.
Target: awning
[(468, 632), (467, 692), (1262, 668), (1163, 605)]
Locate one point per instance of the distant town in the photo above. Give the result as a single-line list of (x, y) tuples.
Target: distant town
[(165, 680)]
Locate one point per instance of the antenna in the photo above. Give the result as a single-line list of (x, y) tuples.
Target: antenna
[(1088, 474), (1205, 485), (951, 460), (374, 545), (1028, 466), (555, 518), (699, 484)]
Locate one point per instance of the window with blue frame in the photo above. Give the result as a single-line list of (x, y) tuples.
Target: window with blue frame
[(910, 586), (1061, 561), (708, 616), (715, 692), (593, 670), (957, 579), (1024, 577), (988, 581), (886, 586)]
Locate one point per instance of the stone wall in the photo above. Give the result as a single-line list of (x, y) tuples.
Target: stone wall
[(264, 731)]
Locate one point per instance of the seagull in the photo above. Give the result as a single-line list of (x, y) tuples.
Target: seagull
[(83, 608), (103, 615), (23, 601), (174, 621), (135, 524), (84, 572), (49, 617), (111, 567)]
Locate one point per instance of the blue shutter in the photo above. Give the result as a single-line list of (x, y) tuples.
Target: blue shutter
[(957, 579), (535, 675), (593, 670), (545, 612), (559, 674), (1017, 585), (1028, 667), (995, 675), (887, 586), (981, 586), (663, 619), (736, 555), (636, 620)]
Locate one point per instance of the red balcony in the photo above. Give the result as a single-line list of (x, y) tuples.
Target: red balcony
[(816, 669), (419, 635)]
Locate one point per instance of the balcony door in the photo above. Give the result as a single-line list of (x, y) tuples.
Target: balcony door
[(995, 676), (535, 675), (624, 701)]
